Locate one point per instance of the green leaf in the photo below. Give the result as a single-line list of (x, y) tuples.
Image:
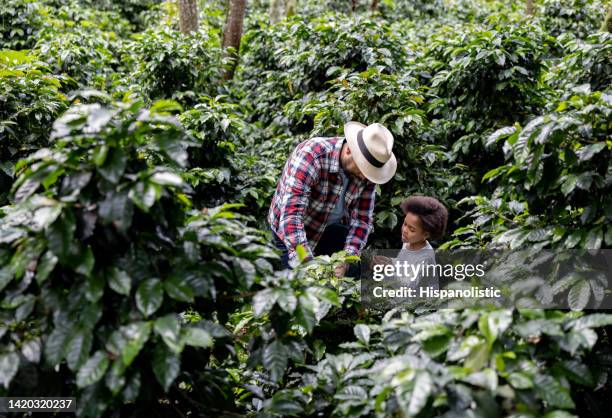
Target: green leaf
[(350, 393), (9, 234), (362, 332), (197, 337), (478, 357), (573, 239), (116, 209), (305, 315), (115, 378), (494, 323), (301, 252), (587, 152), (93, 369), (135, 336), (569, 184), (113, 167), (551, 391), (26, 190), (145, 194), (286, 300), (60, 235), (263, 301), (520, 380), (166, 178), (44, 216), (169, 328), (55, 346), (423, 389), (78, 349), (119, 281), (97, 119), (537, 327), (437, 345), (579, 295), (594, 239), (500, 58), (493, 173), (284, 404), (94, 287), (275, 360), (31, 350), (9, 364), (178, 288), (100, 154), (486, 378), (165, 106), (149, 296), (166, 366), (577, 372), (595, 320), (584, 180), (572, 341), (499, 134), (47, 263), (6, 275), (464, 348), (132, 388), (559, 414), (325, 294)]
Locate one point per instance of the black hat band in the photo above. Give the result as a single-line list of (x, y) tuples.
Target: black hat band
[(366, 152)]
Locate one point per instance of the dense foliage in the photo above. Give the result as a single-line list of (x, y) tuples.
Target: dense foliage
[(136, 268)]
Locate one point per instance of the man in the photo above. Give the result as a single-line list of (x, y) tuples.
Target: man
[(325, 197)]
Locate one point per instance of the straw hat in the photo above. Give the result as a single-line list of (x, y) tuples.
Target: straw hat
[(371, 150)]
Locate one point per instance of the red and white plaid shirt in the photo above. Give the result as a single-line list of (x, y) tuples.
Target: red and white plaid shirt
[(307, 193)]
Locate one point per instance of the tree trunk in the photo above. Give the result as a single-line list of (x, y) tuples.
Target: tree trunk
[(232, 33), (290, 8), (188, 16), (353, 5), (276, 10), (374, 5), (607, 23), (529, 7)]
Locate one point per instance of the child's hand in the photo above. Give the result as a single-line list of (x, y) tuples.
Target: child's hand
[(340, 269), (381, 259)]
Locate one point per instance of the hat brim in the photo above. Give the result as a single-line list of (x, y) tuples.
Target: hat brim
[(376, 175)]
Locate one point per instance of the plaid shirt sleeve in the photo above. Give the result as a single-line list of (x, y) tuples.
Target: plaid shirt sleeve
[(362, 218), (302, 174)]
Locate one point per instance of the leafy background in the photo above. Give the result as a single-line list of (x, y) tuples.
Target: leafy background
[(136, 271)]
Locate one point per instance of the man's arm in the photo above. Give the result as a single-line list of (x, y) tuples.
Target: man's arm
[(362, 219), (302, 173)]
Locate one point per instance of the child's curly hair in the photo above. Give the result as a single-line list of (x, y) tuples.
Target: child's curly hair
[(431, 212)]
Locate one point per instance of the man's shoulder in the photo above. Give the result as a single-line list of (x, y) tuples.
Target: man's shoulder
[(320, 145)]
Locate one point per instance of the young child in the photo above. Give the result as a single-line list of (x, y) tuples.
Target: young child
[(424, 218)]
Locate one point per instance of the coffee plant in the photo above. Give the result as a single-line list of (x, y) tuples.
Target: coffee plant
[(165, 63), (417, 366), (30, 98), (578, 17), (587, 62), (85, 56), (272, 80), (137, 268), (20, 21)]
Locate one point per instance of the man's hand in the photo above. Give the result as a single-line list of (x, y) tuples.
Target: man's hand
[(340, 269), (381, 259)]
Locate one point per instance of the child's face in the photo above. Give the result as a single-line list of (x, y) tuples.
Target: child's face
[(412, 230)]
